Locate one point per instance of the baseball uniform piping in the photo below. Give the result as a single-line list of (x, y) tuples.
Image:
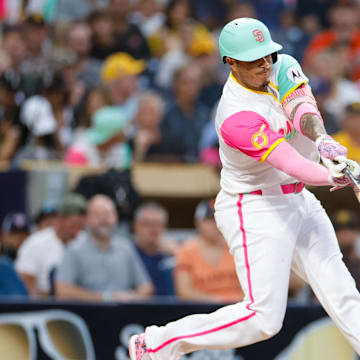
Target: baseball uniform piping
[(235, 322), (255, 91)]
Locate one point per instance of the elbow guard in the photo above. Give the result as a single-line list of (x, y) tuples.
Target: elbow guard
[(301, 101)]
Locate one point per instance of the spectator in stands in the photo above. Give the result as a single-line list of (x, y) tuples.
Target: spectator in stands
[(155, 250), (148, 16), (95, 99), (347, 226), (38, 46), (321, 90), (10, 282), (349, 135), (170, 42), (344, 31), (105, 141), (99, 265), (120, 75), (13, 49), (47, 217), (202, 49), (64, 63), (13, 54), (343, 91), (145, 138), (168, 38), (128, 36), (103, 37), (79, 42), (15, 229), (48, 119), (209, 143), (102, 144), (205, 270), (185, 117), (13, 133), (291, 35), (42, 252)]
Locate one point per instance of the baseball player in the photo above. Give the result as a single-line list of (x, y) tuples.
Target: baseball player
[(271, 136)]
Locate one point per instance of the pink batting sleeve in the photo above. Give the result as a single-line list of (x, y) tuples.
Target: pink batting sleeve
[(250, 133), (288, 160)]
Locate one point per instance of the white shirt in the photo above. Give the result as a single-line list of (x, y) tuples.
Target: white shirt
[(39, 254)]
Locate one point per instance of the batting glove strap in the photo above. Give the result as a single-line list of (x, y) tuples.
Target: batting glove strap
[(329, 148)]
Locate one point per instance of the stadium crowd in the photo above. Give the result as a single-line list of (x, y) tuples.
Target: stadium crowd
[(115, 82)]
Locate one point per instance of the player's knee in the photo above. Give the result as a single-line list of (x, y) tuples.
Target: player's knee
[(269, 330), (268, 326)]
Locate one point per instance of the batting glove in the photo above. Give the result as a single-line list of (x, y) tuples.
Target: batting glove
[(329, 148), (336, 177), (351, 164)]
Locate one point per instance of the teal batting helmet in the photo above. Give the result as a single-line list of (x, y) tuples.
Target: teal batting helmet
[(246, 39)]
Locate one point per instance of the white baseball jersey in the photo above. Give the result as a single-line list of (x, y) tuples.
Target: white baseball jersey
[(250, 125)]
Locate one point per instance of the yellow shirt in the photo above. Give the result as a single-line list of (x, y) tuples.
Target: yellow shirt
[(353, 149)]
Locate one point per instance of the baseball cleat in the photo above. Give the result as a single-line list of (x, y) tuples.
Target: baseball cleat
[(137, 348)]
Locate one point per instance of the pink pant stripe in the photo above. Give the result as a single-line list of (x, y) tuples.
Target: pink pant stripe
[(201, 333), (237, 321), (241, 218)]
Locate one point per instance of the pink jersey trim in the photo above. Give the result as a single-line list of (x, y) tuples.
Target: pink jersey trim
[(237, 321)]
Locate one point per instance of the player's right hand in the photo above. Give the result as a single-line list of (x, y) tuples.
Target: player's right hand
[(329, 148)]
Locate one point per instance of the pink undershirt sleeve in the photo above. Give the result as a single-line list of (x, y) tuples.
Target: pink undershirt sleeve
[(285, 158)]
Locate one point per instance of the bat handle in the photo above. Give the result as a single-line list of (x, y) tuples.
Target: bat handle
[(351, 177)]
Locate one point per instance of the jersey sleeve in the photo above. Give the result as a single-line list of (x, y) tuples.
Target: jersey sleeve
[(290, 76), (250, 133)]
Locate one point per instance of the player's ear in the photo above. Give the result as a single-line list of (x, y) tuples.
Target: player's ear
[(229, 60)]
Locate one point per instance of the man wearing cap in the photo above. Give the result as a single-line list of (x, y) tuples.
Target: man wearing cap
[(99, 265), (120, 74), (42, 252), (270, 137), (15, 229)]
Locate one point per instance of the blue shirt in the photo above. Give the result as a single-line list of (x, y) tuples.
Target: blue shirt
[(160, 269), (10, 282)]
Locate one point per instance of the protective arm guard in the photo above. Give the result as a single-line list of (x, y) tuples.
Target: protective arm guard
[(295, 95), (299, 102)]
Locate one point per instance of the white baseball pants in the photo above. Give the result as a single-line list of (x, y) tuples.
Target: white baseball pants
[(268, 235)]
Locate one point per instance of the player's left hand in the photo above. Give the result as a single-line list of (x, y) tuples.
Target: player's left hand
[(329, 148)]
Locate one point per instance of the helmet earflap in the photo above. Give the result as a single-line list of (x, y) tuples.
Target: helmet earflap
[(274, 56)]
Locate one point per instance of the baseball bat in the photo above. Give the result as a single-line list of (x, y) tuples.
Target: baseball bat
[(354, 181)]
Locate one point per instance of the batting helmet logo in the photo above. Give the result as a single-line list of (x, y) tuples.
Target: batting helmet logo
[(258, 34)]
